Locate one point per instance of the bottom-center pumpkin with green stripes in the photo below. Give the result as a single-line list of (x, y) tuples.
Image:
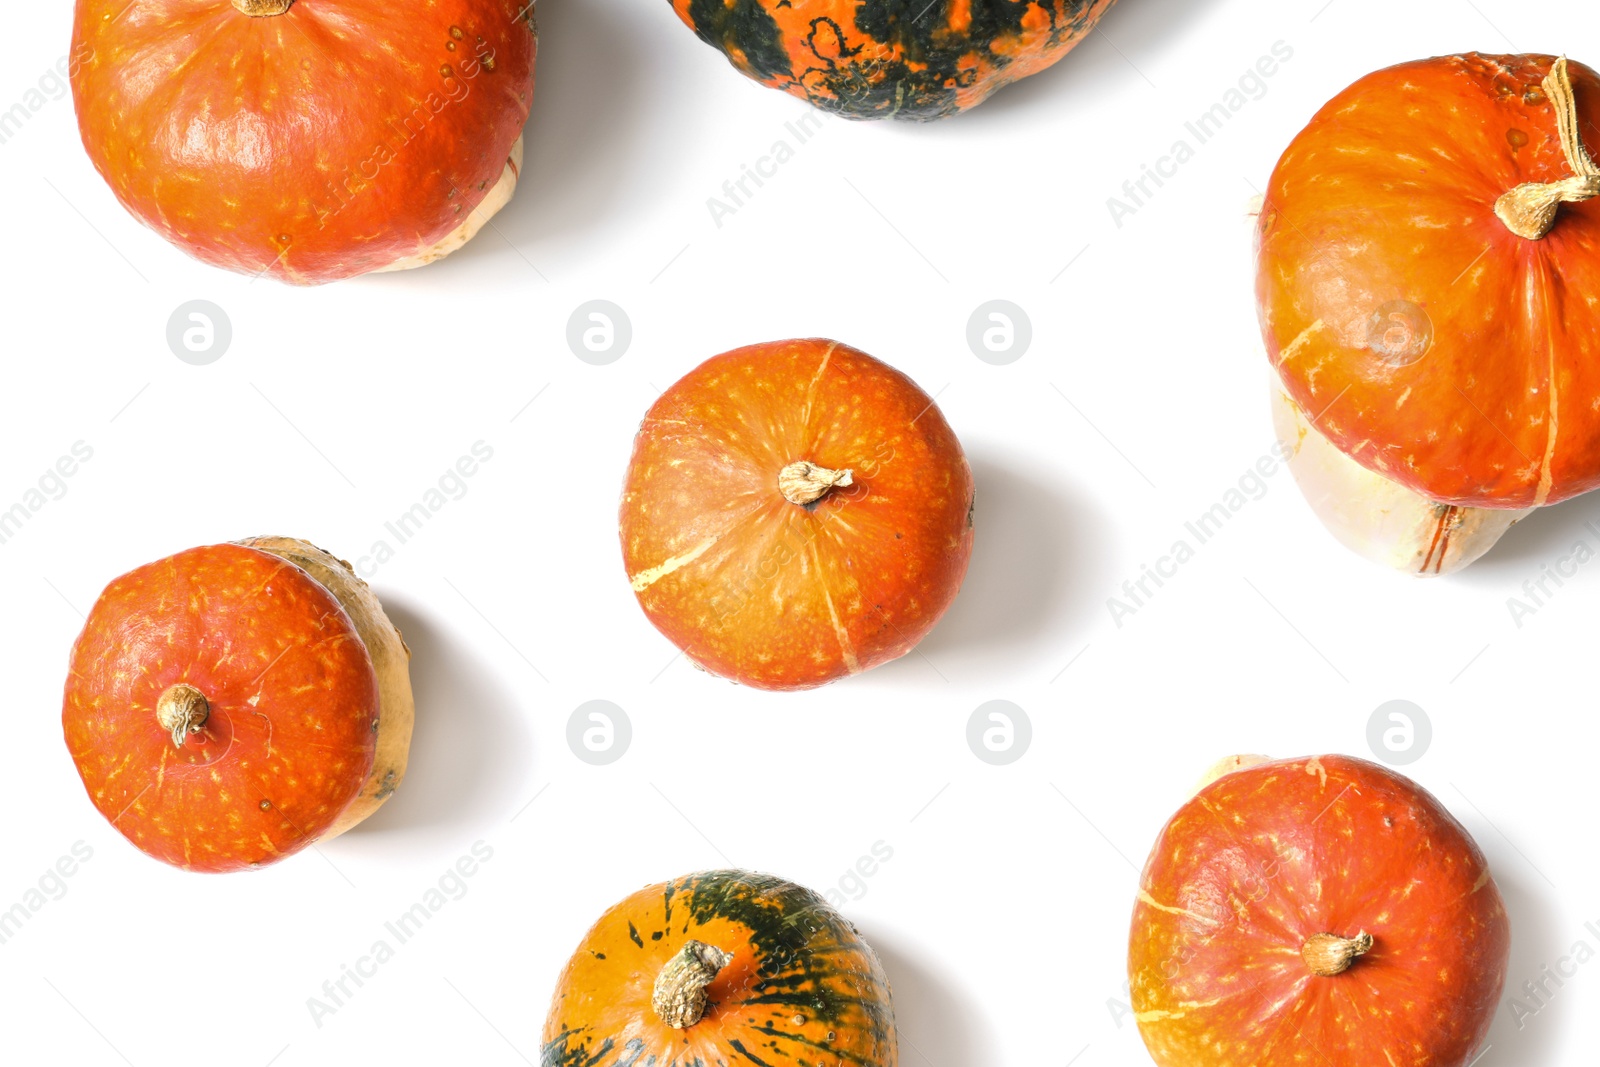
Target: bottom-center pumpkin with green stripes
[(722, 969)]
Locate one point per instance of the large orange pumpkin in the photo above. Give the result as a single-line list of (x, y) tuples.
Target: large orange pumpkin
[(230, 705), (870, 59), (795, 512), (309, 140), (1322, 910), (1428, 256), (721, 967)]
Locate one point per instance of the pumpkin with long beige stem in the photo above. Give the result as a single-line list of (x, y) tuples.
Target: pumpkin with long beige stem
[(722, 967), (1428, 264), (1318, 910), (308, 140), (232, 704)]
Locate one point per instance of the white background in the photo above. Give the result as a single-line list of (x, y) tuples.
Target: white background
[(1002, 915)]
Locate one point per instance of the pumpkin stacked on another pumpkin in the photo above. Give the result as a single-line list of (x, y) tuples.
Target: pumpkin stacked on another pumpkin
[(1428, 286), (872, 59)]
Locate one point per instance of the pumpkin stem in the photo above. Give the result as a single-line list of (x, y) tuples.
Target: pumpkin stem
[(680, 992), (1329, 954), (262, 8), (182, 710), (806, 483), (1529, 210)]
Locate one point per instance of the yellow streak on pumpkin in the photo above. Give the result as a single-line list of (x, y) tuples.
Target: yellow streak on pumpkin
[(1195, 1005), (851, 664), (1292, 349), (1546, 478), (1150, 901), (805, 419), (651, 575), (837, 521), (1314, 766)]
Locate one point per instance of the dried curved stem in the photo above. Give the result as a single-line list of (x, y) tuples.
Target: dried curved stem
[(679, 996), (806, 483), (1530, 209), (182, 710), (1327, 955), (258, 9)]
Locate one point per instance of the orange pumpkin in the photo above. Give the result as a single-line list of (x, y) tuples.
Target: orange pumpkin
[(232, 704), (870, 59), (1316, 911), (795, 512), (309, 140), (1431, 340), (1428, 256), (721, 967)]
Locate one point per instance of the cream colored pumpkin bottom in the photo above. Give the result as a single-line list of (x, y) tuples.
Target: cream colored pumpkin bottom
[(391, 663), (498, 197), (1376, 517)]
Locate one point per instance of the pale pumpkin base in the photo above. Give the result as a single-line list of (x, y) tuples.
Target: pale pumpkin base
[(1375, 517), (476, 219), (391, 661), (1227, 765)]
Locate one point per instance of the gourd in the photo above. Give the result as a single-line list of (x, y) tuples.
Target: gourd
[(232, 704), (795, 512), (308, 140), (1323, 909), (1427, 257), (722, 967), (871, 59)]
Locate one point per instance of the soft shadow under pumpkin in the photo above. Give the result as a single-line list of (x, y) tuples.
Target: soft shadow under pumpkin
[(1132, 34), (1540, 538), (589, 128), (1537, 942), (1035, 550), (935, 1024), (471, 752)]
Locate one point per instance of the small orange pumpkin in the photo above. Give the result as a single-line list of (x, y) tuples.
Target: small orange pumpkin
[(1320, 911), (795, 512), (1428, 259), (232, 704), (721, 967), (1397, 259), (308, 140)]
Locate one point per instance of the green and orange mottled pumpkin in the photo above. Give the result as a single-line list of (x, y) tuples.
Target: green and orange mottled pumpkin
[(904, 59), (721, 967)]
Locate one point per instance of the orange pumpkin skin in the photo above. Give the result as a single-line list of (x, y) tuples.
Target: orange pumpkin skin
[(1419, 334), (770, 593), (336, 138), (869, 59), (1266, 858), (802, 988), (293, 708)]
